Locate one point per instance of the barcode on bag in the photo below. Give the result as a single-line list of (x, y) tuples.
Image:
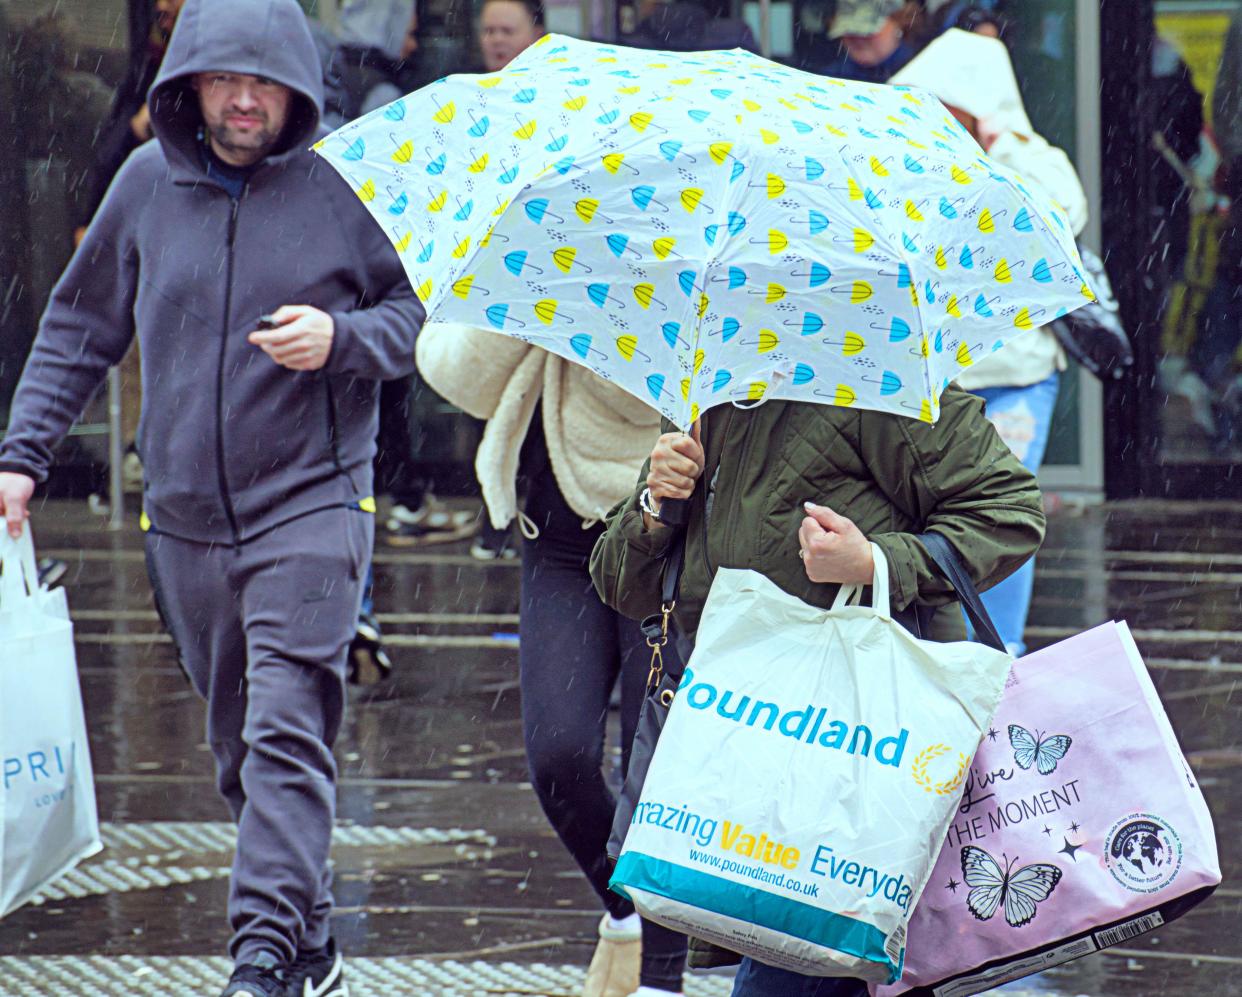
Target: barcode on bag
[(895, 943), (1130, 929)]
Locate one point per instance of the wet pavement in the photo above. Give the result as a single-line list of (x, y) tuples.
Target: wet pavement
[(449, 880)]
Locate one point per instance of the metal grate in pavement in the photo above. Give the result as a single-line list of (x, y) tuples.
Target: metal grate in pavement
[(153, 855), (131, 976)]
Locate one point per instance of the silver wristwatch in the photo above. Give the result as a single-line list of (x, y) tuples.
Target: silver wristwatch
[(647, 504)]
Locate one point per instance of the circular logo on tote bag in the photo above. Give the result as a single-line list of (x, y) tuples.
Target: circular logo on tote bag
[(1143, 853)]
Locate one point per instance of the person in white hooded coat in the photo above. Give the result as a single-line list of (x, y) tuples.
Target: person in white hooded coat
[(973, 76)]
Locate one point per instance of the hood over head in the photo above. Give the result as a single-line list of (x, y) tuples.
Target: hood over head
[(254, 37), (974, 74)]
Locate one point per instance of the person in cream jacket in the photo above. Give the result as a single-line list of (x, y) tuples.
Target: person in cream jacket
[(576, 442)]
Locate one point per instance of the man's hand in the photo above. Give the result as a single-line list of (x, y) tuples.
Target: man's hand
[(833, 549), (676, 464), (302, 340), (15, 493)]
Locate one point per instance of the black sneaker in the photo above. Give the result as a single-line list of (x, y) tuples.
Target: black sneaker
[(320, 973), (369, 663), (255, 981)]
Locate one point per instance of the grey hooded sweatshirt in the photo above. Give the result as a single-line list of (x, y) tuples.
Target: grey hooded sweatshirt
[(232, 444)]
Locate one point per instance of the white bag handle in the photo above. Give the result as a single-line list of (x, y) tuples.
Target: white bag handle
[(19, 576), (852, 594)]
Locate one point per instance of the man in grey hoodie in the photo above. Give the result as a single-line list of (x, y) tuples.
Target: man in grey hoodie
[(256, 442)]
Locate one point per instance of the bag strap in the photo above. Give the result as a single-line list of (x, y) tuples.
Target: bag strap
[(950, 564)]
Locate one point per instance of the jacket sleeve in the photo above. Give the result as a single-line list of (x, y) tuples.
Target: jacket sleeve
[(628, 561), (375, 340), (958, 478), (86, 328)]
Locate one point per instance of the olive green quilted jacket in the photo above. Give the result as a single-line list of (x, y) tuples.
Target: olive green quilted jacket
[(892, 476)]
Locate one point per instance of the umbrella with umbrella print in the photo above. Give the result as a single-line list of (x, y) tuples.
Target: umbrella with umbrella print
[(712, 227)]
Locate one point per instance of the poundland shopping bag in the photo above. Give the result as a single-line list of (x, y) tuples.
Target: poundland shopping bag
[(805, 778), (48, 821), (1081, 826)]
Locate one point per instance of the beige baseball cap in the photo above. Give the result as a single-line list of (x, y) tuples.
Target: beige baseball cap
[(862, 17)]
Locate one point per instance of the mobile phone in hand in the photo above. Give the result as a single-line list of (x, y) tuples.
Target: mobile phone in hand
[(267, 322)]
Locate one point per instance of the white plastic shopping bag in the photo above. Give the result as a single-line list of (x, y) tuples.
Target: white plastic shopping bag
[(805, 779), (48, 820)]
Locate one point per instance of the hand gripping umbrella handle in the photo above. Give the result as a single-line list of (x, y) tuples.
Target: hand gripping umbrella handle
[(674, 512)]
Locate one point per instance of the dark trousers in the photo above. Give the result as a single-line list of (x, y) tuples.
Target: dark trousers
[(574, 650), (262, 631), (755, 979)]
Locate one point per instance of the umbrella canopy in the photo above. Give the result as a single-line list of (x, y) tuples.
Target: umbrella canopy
[(709, 227)]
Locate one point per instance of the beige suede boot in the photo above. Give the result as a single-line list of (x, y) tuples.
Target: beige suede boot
[(615, 966)]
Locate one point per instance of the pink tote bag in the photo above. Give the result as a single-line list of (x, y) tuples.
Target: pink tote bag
[(1081, 826)]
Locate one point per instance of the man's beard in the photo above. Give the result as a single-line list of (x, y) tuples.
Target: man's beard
[(258, 143)]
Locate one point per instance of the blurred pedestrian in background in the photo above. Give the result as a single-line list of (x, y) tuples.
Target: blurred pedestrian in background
[(972, 75), (872, 41)]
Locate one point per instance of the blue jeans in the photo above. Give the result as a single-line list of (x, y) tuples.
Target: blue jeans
[(1023, 417), (754, 979)]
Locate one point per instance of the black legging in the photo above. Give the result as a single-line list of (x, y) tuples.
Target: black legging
[(573, 649)]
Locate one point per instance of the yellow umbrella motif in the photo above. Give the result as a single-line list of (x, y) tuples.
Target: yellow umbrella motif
[(734, 228)]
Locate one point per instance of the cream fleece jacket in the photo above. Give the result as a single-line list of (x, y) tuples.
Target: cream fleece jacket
[(598, 435)]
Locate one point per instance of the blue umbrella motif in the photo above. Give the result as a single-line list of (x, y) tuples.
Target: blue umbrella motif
[(516, 261), (814, 168), (803, 374), (428, 252), (537, 209), (947, 209), (581, 344), (496, 315), (982, 306), (437, 165), (669, 150), (913, 165), (686, 280), (1022, 221), (480, 127), (819, 276), (464, 211), (655, 385), (557, 144), (525, 96), (395, 111), (898, 330), (818, 220), (357, 149), (642, 196), (737, 278), (721, 380), (738, 169), (967, 259), (1042, 272), (618, 243), (889, 383), (699, 115), (730, 329), (736, 223), (672, 334), (811, 324), (399, 204)]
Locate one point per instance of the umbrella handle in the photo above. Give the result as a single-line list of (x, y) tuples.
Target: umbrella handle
[(674, 512)]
